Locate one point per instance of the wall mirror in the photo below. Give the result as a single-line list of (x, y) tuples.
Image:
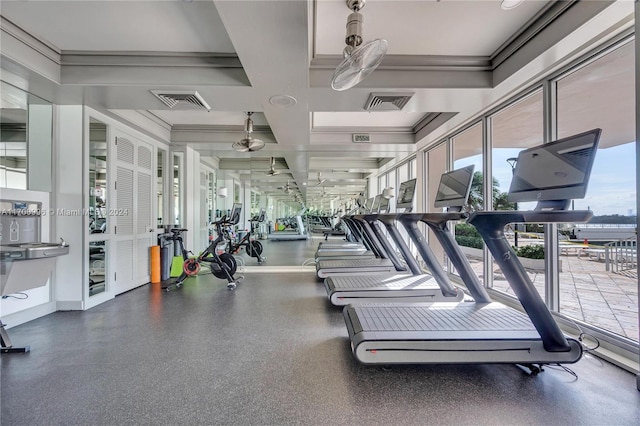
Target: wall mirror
[(26, 126)]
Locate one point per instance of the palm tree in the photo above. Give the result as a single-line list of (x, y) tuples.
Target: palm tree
[(476, 195)]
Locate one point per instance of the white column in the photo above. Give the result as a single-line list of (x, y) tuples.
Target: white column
[(191, 201), (68, 196)]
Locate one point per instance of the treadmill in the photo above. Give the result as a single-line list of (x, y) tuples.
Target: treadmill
[(299, 234), (351, 251), (334, 249), (419, 287), (485, 331), (387, 260), (354, 232)]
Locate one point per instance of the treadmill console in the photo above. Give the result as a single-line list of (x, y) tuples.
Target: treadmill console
[(556, 172)]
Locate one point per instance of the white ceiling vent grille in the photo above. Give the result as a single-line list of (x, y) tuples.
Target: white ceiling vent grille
[(187, 99), (387, 101)]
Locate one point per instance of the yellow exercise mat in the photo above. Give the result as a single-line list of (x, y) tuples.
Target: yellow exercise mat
[(176, 266)]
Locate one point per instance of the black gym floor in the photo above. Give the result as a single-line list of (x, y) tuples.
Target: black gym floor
[(271, 352)]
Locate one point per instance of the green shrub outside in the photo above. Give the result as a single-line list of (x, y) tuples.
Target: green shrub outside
[(464, 229), (533, 251), (469, 241), (468, 236)]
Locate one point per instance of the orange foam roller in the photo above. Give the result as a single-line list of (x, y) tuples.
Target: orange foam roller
[(155, 264)]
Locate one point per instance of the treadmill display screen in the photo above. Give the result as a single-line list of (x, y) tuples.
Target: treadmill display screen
[(454, 187), (555, 171), (368, 205), (405, 194), (384, 205), (376, 204)]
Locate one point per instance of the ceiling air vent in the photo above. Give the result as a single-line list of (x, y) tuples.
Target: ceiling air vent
[(387, 101), (188, 99)]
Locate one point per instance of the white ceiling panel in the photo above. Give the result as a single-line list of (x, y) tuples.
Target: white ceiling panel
[(366, 119), (213, 118), (163, 26), (438, 50), (426, 27)]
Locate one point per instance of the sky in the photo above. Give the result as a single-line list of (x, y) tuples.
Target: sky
[(611, 189)]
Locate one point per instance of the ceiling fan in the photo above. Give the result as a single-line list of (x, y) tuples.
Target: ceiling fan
[(359, 59), (320, 181), (286, 188), (248, 144), (272, 168)]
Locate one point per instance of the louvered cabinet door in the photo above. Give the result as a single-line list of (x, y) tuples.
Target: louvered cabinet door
[(123, 215), (144, 212)]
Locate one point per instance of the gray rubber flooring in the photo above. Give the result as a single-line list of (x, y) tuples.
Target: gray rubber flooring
[(272, 352)]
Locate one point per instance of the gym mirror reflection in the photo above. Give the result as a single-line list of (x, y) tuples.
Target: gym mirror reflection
[(25, 140), (160, 177), (97, 211), (97, 267)]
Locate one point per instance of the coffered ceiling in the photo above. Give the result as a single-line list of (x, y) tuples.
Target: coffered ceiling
[(449, 55)]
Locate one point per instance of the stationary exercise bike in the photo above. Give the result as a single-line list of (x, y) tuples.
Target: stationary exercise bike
[(252, 247), (222, 265)]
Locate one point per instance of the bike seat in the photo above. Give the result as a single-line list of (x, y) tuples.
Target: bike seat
[(177, 230)]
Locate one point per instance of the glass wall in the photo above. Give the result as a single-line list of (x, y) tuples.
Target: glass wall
[(601, 94), (516, 127), (466, 150), (591, 276), (392, 179), (436, 161)]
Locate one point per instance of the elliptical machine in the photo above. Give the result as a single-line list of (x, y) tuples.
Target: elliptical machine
[(222, 265)]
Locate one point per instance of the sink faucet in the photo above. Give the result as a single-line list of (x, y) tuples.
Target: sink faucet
[(63, 243)]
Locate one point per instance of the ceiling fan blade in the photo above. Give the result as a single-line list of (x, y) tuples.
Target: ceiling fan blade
[(357, 66)]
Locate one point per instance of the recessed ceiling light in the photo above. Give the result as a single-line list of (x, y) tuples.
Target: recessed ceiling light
[(510, 4), (283, 101)]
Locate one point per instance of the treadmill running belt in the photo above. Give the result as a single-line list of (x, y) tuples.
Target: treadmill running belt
[(463, 316), (353, 263), (398, 281)]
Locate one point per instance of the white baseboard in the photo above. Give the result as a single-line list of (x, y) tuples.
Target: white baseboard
[(70, 305), (27, 315)]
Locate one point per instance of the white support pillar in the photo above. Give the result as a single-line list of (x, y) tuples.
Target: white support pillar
[(191, 200), (68, 196)]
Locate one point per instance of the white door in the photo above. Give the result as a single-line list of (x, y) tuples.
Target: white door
[(122, 214), (132, 214), (143, 211)]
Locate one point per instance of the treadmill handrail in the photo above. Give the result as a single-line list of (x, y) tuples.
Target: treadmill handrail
[(439, 224), (377, 247), (372, 220), (491, 225), (362, 236), (410, 223), (388, 220)]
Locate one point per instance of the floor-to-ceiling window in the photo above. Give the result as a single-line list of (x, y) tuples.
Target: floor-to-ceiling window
[(602, 288), (594, 281), (436, 161), (466, 150), (513, 128)]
